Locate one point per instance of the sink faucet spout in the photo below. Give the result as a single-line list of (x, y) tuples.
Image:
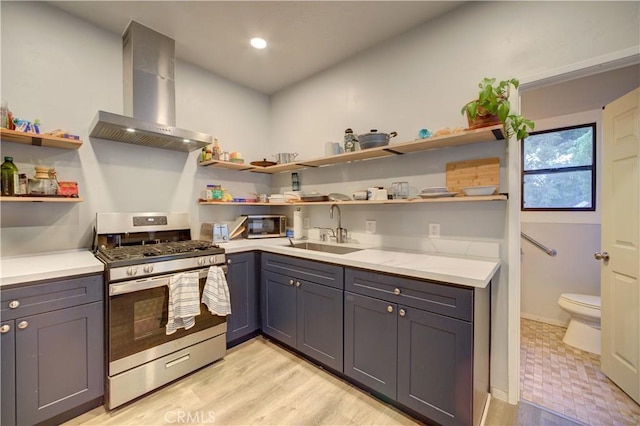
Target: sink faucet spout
[(340, 231)]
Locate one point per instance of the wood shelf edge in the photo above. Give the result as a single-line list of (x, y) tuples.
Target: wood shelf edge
[(498, 197), (39, 139), (41, 199)]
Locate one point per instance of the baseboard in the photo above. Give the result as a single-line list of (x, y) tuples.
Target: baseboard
[(499, 394), (544, 320), (485, 411)]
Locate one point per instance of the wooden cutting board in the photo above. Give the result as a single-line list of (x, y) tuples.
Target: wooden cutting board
[(480, 172)]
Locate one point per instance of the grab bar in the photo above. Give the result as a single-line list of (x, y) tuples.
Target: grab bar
[(549, 251)]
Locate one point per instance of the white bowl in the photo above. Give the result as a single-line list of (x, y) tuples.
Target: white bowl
[(479, 190)]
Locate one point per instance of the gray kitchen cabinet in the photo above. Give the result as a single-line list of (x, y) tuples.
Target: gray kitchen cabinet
[(243, 291), (423, 344), (302, 306), (371, 336), (8, 373), (56, 369)]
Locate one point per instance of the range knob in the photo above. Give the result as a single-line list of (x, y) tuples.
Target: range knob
[(212, 260), (132, 271), (201, 261), (148, 269)]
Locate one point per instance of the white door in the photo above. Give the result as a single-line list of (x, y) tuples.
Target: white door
[(620, 241)]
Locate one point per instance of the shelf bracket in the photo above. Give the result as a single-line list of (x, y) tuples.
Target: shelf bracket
[(497, 133), (393, 151), (36, 141)]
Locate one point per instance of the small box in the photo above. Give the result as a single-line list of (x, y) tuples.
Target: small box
[(68, 189)]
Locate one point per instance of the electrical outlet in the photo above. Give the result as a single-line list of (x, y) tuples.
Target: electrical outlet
[(305, 223), (370, 226), (434, 230)]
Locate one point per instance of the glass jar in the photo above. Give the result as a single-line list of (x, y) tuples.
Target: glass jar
[(9, 177), (217, 192)]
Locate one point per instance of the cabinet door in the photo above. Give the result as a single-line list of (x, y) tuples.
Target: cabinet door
[(8, 373), (319, 323), (435, 358), (243, 291), (278, 297), (370, 342), (59, 361)]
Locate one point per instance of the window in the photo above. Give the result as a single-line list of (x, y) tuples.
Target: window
[(558, 169)]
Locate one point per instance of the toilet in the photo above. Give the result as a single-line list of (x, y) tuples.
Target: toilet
[(583, 331)]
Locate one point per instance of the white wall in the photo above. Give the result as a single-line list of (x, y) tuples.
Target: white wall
[(62, 70), (422, 79)]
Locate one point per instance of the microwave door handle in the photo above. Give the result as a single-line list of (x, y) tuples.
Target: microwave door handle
[(133, 286)]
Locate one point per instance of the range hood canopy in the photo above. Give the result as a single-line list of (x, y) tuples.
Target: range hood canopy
[(149, 96)]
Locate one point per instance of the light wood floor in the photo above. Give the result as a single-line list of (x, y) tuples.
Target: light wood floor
[(257, 383), (260, 383)]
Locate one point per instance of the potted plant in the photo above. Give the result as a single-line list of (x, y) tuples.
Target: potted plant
[(493, 107)]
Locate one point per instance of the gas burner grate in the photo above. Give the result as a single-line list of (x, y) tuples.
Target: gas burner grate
[(160, 249)]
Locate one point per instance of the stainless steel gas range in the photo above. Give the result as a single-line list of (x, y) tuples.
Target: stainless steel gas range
[(142, 252)]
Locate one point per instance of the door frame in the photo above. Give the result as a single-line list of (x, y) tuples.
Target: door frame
[(597, 65)]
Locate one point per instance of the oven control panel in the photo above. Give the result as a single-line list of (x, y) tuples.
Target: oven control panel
[(164, 267)]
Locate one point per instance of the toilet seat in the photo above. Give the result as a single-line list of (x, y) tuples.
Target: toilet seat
[(584, 300)]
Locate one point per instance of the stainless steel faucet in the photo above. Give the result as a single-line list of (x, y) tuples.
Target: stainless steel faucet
[(340, 231)]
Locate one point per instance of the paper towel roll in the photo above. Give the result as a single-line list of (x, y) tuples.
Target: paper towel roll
[(297, 224)]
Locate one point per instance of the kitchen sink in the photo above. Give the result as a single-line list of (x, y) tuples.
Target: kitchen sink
[(325, 248)]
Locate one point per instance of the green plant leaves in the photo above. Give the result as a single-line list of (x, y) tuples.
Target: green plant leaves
[(493, 99)]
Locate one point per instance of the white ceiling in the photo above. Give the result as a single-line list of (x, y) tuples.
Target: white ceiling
[(305, 37)]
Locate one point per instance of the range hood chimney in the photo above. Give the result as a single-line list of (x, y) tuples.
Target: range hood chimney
[(149, 96)]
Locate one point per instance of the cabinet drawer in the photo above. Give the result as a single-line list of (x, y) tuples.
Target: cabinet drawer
[(442, 299), (45, 297), (317, 272)]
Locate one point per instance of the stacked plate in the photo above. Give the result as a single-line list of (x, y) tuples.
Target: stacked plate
[(276, 198), (436, 192)]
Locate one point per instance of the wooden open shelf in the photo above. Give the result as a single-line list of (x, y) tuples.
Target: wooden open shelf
[(39, 140), (499, 197), (42, 199), (484, 134), (227, 165)]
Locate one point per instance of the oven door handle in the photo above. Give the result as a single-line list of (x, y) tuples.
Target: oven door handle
[(148, 283)]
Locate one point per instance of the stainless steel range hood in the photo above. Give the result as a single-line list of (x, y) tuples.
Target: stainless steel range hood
[(149, 96)]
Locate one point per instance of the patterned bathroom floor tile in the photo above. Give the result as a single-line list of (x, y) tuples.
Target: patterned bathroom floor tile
[(568, 380)]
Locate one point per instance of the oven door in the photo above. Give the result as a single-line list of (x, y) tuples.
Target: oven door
[(137, 318)]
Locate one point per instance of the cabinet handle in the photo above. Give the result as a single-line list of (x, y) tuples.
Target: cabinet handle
[(5, 329), (229, 261), (290, 282), (14, 304), (23, 324), (297, 283), (396, 291), (390, 309), (402, 312)]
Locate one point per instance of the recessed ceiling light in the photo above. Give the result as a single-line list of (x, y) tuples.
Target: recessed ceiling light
[(258, 43), (130, 130), (186, 140)]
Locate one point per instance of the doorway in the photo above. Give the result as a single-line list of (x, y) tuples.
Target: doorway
[(554, 375)]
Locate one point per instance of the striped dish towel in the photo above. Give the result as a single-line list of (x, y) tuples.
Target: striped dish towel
[(184, 303), (216, 292)]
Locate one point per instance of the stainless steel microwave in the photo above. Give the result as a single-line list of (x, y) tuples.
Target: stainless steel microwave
[(265, 226)]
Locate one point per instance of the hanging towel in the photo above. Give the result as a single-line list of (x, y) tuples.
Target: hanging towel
[(184, 303), (216, 292)]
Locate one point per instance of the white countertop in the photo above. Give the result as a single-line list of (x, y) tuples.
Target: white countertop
[(471, 271), (42, 266)]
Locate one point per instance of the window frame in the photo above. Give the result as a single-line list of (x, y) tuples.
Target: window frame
[(555, 170)]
